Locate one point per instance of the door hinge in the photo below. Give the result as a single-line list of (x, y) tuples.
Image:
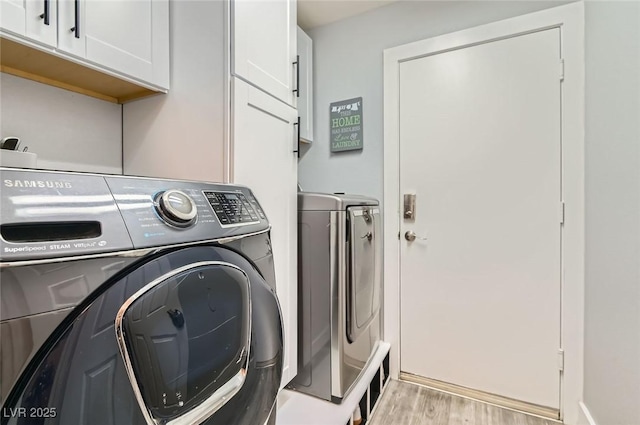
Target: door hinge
[(562, 212), (561, 69), (561, 359)]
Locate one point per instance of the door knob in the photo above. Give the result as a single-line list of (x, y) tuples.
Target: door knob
[(411, 236)]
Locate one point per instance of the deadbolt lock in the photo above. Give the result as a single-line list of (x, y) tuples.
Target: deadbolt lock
[(409, 206)]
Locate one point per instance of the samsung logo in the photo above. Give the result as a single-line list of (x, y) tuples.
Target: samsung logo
[(38, 184)]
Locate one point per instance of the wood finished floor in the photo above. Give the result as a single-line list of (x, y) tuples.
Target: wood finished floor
[(404, 403)]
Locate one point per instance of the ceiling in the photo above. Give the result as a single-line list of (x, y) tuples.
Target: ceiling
[(315, 13)]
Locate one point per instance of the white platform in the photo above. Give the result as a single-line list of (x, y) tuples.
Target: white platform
[(295, 408)]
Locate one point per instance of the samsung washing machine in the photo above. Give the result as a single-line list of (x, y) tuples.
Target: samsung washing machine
[(135, 301), (339, 291)]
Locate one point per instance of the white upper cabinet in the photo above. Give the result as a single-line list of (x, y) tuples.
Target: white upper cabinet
[(131, 37), (264, 45), (33, 19), (305, 99), (126, 39)]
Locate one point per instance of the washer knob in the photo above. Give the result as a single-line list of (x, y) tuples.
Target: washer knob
[(177, 208)]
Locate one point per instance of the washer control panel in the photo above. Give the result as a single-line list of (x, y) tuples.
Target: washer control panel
[(48, 214), (233, 209), (168, 212)]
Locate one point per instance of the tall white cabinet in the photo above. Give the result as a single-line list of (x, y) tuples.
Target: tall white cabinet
[(264, 159), (264, 141)]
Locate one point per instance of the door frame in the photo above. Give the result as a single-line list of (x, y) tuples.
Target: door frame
[(570, 19)]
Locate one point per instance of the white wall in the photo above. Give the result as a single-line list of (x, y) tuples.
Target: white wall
[(612, 288), (348, 63), (67, 130), (181, 134)]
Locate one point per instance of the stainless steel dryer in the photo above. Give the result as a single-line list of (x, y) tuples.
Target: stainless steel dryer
[(135, 301), (339, 291)]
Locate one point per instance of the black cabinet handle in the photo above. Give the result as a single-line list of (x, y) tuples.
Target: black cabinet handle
[(45, 15), (76, 28), (297, 151), (297, 65)]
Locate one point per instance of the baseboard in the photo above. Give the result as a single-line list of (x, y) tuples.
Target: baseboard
[(584, 416), (497, 400)]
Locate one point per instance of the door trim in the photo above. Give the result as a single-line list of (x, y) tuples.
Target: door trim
[(570, 19)]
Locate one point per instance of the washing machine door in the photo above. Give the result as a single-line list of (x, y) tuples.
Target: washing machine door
[(168, 341), (363, 277), (185, 340)]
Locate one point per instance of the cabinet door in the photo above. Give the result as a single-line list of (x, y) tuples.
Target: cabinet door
[(264, 45), (32, 19), (264, 159), (12, 16), (305, 101), (129, 37)]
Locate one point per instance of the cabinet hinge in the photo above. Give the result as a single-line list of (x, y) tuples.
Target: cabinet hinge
[(561, 359), (561, 69)]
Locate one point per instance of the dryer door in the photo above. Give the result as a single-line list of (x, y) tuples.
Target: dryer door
[(197, 339), (363, 288)]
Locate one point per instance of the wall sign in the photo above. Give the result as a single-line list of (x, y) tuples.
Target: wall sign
[(345, 124)]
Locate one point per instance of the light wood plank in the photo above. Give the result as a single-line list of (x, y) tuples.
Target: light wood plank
[(405, 403), (487, 414), (532, 420), (434, 408), (511, 417), (507, 402), (462, 411), (397, 405)]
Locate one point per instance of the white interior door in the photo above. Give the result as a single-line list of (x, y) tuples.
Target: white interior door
[(480, 146)]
